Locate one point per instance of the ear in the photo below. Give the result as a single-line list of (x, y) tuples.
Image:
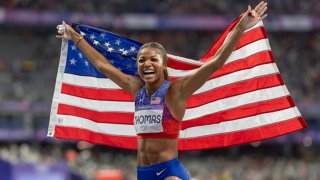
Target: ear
[(165, 72)]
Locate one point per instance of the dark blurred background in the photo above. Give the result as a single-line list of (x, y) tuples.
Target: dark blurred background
[(29, 57)]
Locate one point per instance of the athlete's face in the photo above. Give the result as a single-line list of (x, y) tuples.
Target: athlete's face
[(150, 65)]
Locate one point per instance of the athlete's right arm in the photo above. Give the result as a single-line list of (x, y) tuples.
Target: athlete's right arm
[(127, 82)]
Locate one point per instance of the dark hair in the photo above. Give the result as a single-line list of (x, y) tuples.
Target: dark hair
[(160, 49)]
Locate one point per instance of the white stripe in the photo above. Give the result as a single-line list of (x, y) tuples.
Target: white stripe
[(195, 62), (240, 124), (103, 128), (198, 131), (249, 49), (243, 52), (235, 101), (191, 113), (101, 83), (101, 106), (262, 70), (259, 24), (247, 31), (87, 81)]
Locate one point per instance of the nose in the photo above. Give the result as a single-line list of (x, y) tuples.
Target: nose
[(147, 63)]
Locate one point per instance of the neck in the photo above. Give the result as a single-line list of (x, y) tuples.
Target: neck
[(151, 88)]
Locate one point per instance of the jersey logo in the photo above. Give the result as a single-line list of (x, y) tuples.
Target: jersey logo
[(160, 172), (155, 100)]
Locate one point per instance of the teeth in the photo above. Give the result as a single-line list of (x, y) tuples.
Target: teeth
[(148, 71)]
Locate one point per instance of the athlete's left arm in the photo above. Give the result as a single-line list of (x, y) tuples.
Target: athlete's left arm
[(188, 85)]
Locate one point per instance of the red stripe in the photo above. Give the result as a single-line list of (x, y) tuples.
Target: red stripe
[(99, 117), (176, 64), (219, 42), (227, 115), (259, 58), (241, 137), (251, 36), (247, 38), (234, 89), (122, 95), (96, 94), (194, 101), (97, 138), (214, 141), (241, 112), (218, 93)]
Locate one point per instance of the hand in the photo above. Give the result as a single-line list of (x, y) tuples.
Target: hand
[(252, 17), (64, 30)]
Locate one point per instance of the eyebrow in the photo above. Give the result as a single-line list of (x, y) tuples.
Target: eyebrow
[(153, 56)]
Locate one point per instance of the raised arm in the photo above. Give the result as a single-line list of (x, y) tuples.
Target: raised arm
[(129, 83), (188, 85)]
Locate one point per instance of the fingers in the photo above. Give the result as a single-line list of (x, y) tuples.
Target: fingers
[(263, 17), (62, 30), (262, 11), (261, 8), (59, 36), (258, 6)]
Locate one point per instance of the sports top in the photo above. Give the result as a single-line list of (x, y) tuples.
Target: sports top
[(152, 118)]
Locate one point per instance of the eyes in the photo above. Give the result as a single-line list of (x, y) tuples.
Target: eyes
[(142, 60)]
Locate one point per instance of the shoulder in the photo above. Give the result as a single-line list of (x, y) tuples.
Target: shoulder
[(174, 90)]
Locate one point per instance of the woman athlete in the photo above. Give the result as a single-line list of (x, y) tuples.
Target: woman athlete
[(159, 104)]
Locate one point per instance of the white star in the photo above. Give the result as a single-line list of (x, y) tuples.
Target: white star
[(92, 36), (80, 55), (118, 42), (87, 63), (73, 47), (82, 33), (102, 35), (122, 49), (73, 61), (110, 49), (132, 48), (107, 44), (95, 42), (125, 52)]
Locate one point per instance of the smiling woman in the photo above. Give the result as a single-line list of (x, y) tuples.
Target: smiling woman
[(160, 104), (152, 63)]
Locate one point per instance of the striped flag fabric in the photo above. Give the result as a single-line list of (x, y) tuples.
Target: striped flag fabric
[(244, 101)]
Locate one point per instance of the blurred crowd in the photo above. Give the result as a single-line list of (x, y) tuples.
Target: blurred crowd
[(252, 165), (205, 7), (28, 70), (29, 61)]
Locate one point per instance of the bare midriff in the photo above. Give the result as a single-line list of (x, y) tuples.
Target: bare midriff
[(156, 150)]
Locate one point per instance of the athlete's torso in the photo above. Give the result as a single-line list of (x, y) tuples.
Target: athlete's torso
[(157, 143), (152, 116)]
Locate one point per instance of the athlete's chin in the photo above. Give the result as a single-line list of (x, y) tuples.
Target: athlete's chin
[(150, 80)]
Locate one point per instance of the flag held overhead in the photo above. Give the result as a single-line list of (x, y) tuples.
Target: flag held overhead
[(244, 101)]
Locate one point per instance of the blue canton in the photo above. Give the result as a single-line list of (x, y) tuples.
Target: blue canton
[(120, 52)]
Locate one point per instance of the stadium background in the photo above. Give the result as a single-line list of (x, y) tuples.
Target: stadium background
[(29, 56)]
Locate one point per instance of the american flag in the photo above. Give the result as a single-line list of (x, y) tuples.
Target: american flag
[(244, 101)]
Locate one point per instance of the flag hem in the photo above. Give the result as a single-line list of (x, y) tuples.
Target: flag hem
[(57, 89)]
